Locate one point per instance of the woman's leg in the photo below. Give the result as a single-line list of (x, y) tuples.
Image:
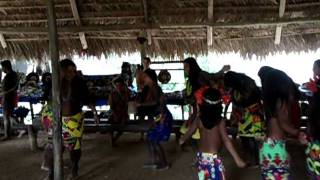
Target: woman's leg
[(152, 161), (254, 150), (75, 156), (160, 153), (251, 148)]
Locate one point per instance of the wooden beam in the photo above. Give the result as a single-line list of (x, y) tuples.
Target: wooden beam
[(145, 10), (149, 38), (67, 19), (277, 39), (210, 11), (75, 12), (56, 104), (300, 5), (137, 28), (282, 7), (146, 20), (209, 36), (210, 20), (83, 40), (166, 37), (76, 17), (3, 41)]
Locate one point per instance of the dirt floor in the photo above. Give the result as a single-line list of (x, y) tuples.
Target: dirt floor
[(101, 162)]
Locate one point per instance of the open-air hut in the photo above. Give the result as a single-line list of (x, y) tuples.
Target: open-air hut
[(166, 28), (171, 27)]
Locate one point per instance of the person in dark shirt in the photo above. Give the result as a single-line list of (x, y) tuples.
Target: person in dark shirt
[(9, 95), (118, 101)]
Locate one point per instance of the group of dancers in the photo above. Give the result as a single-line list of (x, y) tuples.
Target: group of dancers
[(267, 114)]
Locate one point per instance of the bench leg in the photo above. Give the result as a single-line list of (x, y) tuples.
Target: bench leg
[(178, 135), (32, 138)]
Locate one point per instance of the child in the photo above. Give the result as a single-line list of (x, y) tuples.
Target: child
[(152, 104), (118, 101), (213, 133), (278, 93)]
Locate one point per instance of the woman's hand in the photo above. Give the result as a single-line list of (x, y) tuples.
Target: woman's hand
[(241, 164)]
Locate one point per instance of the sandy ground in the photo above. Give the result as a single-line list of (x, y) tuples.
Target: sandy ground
[(101, 162)]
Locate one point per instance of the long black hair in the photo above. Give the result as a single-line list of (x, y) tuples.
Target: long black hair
[(243, 84), (317, 62), (194, 72), (276, 85)]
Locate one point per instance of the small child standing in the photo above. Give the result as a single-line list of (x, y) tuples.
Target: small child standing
[(213, 133)]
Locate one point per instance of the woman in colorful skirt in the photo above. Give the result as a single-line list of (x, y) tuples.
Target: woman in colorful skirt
[(246, 111), (152, 104)]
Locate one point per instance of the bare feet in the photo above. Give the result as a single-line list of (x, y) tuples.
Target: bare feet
[(162, 167)]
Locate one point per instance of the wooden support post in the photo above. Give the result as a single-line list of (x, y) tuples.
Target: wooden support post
[(279, 27), (3, 41), (56, 105)]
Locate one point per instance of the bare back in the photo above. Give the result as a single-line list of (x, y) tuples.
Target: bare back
[(274, 130), (210, 141)]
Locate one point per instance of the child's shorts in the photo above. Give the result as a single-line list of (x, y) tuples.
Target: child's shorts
[(210, 167)]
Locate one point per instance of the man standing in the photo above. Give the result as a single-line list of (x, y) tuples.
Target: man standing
[(9, 95), (74, 94), (146, 63)]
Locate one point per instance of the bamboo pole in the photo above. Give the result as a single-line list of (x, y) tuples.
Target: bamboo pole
[(54, 55)]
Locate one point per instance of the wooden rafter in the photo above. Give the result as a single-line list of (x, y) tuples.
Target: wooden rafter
[(146, 20), (135, 28), (210, 20), (164, 37), (76, 17), (217, 8), (3, 41), (282, 7)]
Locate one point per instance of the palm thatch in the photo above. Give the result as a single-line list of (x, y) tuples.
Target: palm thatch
[(172, 27)]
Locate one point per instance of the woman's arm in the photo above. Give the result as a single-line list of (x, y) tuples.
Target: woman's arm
[(229, 145)]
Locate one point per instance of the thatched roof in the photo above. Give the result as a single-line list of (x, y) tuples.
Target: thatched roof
[(173, 27)]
